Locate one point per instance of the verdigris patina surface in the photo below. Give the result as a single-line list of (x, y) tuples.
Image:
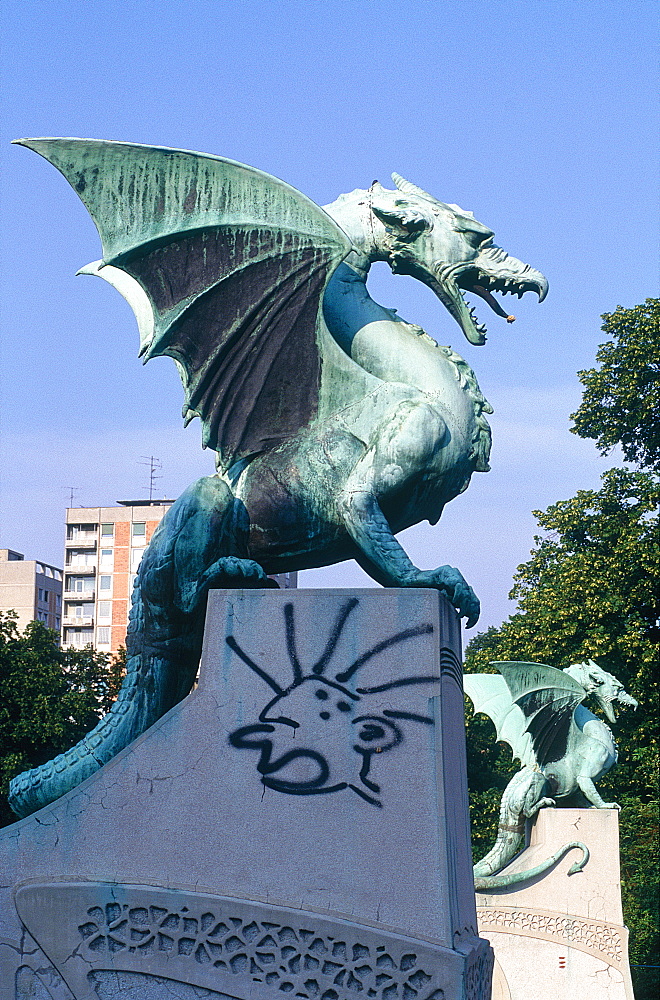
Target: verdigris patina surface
[(563, 747), (336, 424)]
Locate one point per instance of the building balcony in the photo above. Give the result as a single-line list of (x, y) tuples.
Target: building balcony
[(72, 569), (82, 542), (71, 621), (78, 595)]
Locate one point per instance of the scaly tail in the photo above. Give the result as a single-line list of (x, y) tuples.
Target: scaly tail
[(199, 544), (145, 695), (492, 883), (521, 799)]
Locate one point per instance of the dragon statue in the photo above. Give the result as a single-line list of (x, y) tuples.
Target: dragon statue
[(336, 424), (562, 746)]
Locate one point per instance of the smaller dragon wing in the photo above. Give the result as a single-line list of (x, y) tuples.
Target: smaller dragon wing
[(547, 698), (490, 694)]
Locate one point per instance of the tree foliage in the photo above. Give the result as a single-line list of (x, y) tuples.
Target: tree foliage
[(590, 591), (587, 592), (51, 697), (621, 399)]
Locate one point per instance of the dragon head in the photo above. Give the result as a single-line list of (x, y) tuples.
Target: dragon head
[(447, 249), (605, 687)]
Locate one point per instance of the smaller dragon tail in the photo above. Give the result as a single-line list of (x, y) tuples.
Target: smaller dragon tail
[(492, 883), (521, 799)]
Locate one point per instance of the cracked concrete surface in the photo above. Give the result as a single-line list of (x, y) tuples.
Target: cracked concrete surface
[(182, 809)]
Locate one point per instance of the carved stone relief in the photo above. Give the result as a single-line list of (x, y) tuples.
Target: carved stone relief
[(234, 948), (595, 937)]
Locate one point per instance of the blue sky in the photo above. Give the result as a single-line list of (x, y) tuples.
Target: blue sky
[(541, 118)]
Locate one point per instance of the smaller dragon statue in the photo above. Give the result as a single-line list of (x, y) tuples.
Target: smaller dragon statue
[(562, 746)]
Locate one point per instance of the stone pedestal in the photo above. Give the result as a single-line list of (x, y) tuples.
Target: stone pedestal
[(560, 935), (296, 826)]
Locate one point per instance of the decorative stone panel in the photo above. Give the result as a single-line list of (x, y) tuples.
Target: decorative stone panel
[(236, 948)]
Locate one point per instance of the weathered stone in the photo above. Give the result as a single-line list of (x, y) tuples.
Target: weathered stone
[(561, 935), (297, 824)]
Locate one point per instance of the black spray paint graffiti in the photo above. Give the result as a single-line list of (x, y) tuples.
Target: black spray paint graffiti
[(318, 709)]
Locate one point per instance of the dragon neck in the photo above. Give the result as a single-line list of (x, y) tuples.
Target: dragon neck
[(387, 347)]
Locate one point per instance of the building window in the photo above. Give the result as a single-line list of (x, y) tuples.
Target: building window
[(107, 530), (136, 557), (82, 531), (79, 636), (80, 584), (58, 602), (106, 557), (105, 583), (105, 609), (41, 594), (81, 610), (103, 636), (81, 557), (139, 531)]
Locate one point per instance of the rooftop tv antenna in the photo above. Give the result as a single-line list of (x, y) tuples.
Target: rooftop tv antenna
[(72, 491), (154, 465)]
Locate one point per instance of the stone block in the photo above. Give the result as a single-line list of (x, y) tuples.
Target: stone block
[(297, 825), (560, 935)]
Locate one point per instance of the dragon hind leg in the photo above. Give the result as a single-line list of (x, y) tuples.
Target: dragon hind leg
[(200, 543)]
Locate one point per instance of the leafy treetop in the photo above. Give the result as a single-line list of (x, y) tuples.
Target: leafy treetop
[(51, 697), (621, 399)]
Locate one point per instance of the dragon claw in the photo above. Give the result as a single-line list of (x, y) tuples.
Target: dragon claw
[(452, 583)]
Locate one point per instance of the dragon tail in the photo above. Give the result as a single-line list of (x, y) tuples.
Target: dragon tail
[(508, 842), (146, 693), (491, 883)]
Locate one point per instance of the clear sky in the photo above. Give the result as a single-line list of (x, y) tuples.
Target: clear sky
[(541, 118)]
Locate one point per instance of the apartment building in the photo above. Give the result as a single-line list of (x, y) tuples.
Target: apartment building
[(31, 588), (103, 549)]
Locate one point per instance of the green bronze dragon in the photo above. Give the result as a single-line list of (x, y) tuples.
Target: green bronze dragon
[(336, 424), (562, 746)]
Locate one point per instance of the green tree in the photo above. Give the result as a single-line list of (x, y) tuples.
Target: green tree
[(621, 399), (588, 593), (51, 697)]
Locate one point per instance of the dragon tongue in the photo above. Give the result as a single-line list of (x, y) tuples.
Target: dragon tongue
[(492, 302)]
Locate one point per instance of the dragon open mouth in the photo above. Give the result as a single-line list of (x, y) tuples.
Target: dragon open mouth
[(514, 278)]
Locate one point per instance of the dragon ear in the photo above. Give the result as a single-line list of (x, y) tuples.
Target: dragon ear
[(400, 216)]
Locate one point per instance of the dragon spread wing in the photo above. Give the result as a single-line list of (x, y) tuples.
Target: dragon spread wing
[(225, 268), (547, 698), (490, 694)]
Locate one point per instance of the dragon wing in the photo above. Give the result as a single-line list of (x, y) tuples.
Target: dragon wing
[(490, 694), (225, 269), (547, 698)]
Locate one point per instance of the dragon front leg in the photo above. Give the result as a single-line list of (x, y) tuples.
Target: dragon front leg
[(589, 790), (401, 448)]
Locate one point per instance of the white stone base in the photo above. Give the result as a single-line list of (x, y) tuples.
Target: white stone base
[(298, 825), (561, 936)]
